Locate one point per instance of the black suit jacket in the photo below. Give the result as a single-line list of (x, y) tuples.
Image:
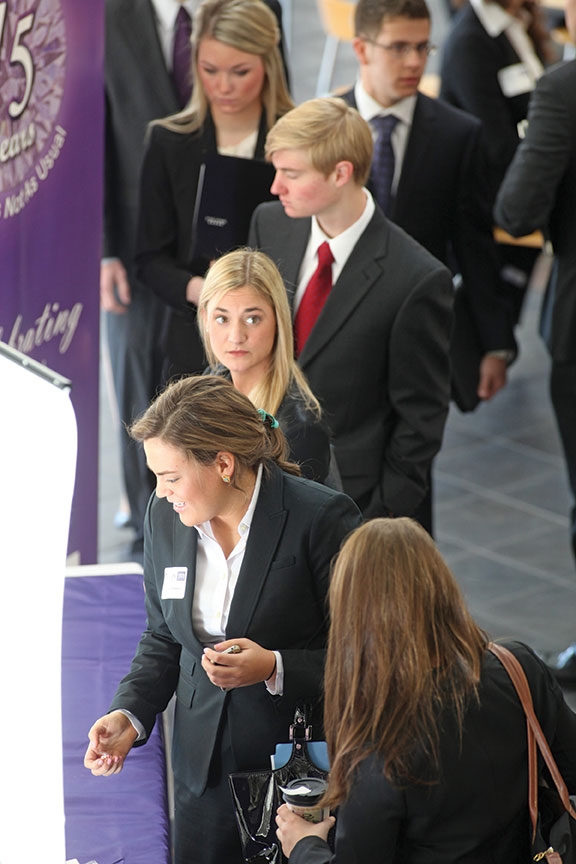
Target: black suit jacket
[(477, 812), (471, 61), (279, 602), (442, 202), (539, 192), (377, 357), (164, 260)]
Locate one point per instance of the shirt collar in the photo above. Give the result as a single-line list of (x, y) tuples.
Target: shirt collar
[(167, 11), (368, 107), (492, 16), (343, 243), (246, 521)]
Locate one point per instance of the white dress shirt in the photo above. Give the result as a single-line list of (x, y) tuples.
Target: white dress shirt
[(403, 110), (216, 578), (495, 21), (341, 247)]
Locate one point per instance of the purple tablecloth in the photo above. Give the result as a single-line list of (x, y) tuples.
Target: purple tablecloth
[(123, 818)]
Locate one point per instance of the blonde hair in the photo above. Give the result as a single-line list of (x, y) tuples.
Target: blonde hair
[(203, 415), (330, 131), (402, 647), (248, 267), (249, 26)]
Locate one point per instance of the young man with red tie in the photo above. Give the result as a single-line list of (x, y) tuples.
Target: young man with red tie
[(372, 308)]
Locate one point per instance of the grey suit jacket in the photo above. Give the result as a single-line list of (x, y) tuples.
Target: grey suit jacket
[(377, 357), (539, 192), (279, 602)]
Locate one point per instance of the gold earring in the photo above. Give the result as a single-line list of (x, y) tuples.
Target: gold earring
[(225, 478)]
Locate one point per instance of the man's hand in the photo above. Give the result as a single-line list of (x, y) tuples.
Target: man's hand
[(194, 289), (114, 287), (492, 376)]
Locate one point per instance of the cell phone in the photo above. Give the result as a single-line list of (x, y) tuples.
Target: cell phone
[(233, 649)]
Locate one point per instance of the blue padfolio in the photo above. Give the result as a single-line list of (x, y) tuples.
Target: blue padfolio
[(317, 751)]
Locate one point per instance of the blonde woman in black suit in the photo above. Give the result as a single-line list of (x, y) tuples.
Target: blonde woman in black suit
[(239, 91), (246, 328), (425, 732)]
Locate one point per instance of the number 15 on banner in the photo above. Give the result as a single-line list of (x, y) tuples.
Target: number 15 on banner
[(18, 54)]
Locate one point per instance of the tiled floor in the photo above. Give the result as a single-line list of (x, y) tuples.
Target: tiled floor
[(500, 487)]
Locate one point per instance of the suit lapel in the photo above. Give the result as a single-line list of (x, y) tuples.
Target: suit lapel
[(185, 545), (265, 532), (140, 34), (295, 234), (414, 171), (363, 268)]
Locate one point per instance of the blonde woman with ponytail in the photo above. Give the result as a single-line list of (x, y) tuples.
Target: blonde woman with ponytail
[(237, 549), (246, 329)]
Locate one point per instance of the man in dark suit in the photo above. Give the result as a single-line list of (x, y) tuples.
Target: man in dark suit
[(539, 192), (491, 59), (372, 325), (438, 191), (141, 86)]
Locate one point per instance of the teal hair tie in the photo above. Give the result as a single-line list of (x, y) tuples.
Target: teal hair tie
[(268, 418)]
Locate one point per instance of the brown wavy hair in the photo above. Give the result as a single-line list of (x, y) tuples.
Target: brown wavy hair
[(402, 647), (203, 415)]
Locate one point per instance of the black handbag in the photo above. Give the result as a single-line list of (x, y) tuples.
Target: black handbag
[(552, 809), (256, 796)]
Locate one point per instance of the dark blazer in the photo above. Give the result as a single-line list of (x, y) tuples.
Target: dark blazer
[(471, 61), (478, 811), (165, 242), (539, 192), (279, 602), (377, 358), (442, 202)]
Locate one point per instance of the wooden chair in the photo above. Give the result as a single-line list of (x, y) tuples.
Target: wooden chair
[(337, 21)]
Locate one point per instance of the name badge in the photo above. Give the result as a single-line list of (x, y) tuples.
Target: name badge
[(174, 585), (515, 80)]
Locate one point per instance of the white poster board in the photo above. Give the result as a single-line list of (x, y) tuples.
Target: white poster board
[(38, 442)]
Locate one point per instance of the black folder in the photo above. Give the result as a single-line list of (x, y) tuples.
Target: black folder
[(229, 190)]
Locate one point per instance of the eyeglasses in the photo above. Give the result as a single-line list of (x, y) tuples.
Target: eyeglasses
[(400, 50)]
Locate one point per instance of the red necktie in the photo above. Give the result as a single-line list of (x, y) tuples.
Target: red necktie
[(314, 297)]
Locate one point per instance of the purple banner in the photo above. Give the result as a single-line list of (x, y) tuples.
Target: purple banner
[(51, 153)]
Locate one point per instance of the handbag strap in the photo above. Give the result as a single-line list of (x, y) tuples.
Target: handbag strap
[(536, 737)]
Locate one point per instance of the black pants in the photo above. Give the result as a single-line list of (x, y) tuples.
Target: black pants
[(563, 394), (205, 830)]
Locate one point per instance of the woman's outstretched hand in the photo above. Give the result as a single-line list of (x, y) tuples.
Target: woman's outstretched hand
[(111, 739)]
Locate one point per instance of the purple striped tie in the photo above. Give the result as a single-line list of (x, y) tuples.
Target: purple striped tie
[(182, 56), (382, 172)]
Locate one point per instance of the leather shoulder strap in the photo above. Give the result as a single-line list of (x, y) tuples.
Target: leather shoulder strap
[(536, 736)]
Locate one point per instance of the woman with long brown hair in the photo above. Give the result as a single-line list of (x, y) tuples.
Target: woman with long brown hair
[(426, 737), (237, 550)]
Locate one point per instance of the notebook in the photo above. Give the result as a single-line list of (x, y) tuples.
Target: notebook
[(229, 190)]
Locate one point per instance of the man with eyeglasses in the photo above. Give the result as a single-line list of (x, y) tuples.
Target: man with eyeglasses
[(431, 180)]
